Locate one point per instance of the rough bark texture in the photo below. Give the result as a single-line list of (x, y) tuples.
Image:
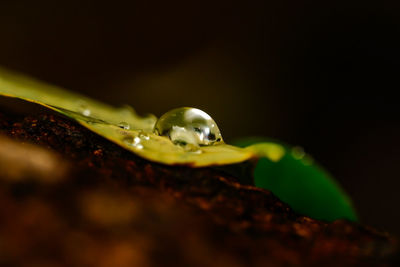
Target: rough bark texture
[(75, 199)]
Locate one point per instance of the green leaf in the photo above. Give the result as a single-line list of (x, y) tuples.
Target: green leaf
[(105, 120), (296, 179)]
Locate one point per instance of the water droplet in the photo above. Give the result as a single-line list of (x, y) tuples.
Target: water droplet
[(128, 139), (186, 126), (83, 108), (124, 125), (139, 146), (86, 112), (133, 141), (144, 136)]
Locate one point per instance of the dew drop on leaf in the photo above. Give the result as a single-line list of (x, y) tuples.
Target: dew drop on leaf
[(86, 112), (190, 127), (144, 136), (133, 141), (124, 125), (84, 108)]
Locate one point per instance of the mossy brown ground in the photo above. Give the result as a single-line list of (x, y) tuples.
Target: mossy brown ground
[(95, 204)]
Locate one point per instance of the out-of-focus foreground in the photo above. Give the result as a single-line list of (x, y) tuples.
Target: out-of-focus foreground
[(83, 201)]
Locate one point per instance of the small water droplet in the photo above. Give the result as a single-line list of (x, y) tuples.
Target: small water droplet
[(133, 141), (86, 112), (124, 125), (139, 146), (188, 126), (144, 136), (128, 139), (83, 108)]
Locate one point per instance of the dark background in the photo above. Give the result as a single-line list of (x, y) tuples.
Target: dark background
[(320, 75)]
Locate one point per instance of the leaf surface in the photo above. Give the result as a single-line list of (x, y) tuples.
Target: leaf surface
[(105, 120)]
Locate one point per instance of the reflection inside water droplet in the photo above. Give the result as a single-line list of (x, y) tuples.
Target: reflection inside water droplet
[(188, 127), (124, 125)]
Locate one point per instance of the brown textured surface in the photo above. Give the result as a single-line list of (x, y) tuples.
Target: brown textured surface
[(99, 205)]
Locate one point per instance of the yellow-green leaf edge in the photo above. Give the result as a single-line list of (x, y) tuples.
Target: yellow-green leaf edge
[(104, 119)]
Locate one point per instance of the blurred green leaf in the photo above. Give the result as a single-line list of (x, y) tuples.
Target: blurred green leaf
[(297, 180)]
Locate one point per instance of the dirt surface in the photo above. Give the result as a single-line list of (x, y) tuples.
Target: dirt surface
[(71, 198)]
